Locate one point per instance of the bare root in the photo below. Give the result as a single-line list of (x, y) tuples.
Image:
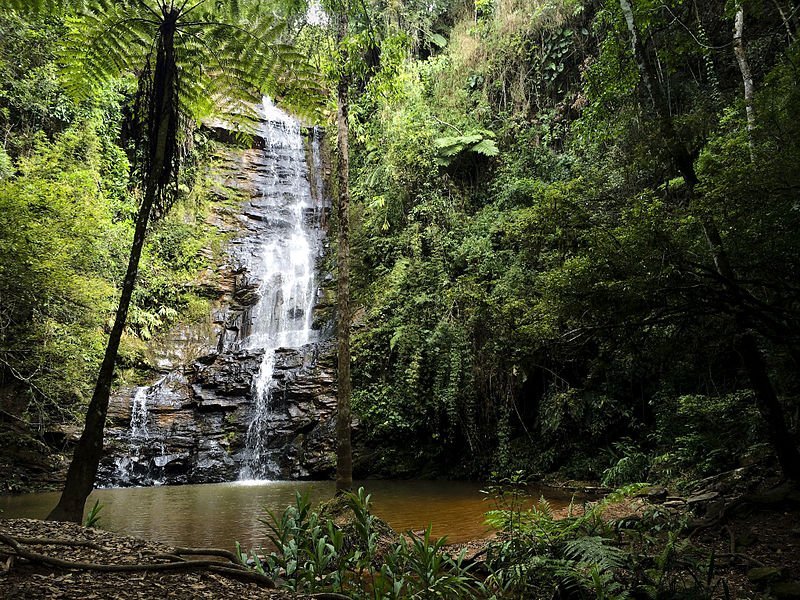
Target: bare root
[(234, 569)]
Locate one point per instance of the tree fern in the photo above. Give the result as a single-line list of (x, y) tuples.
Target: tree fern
[(480, 141), (228, 54)]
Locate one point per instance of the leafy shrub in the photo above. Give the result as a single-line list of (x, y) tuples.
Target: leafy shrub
[(584, 555), (631, 465), (312, 555), (711, 433)]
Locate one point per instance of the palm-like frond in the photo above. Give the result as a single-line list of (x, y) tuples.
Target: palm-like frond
[(594, 550), (229, 54)]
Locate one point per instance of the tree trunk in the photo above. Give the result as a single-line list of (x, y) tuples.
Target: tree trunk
[(344, 451), (747, 76), (677, 149), (786, 23), (769, 406), (745, 344), (88, 452)]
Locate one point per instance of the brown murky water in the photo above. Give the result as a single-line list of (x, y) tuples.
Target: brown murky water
[(219, 514)]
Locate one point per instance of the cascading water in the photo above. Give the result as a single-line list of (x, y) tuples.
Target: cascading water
[(253, 397), (139, 413), (137, 434), (284, 265)]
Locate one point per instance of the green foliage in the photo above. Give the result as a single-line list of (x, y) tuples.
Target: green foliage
[(313, 554), (480, 142), (6, 165), (560, 298), (31, 99), (584, 554), (59, 254), (66, 222), (93, 516), (630, 465), (68, 194), (105, 40), (713, 434)]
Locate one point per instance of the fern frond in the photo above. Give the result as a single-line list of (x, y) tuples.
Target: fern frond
[(595, 550)]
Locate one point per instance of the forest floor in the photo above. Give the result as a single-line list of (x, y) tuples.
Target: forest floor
[(756, 550), (754, 539), (32, 580), (765, 542)]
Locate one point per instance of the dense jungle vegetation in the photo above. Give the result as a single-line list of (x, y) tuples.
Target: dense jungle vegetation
[(573, 256), (574, 233), (67, 213)]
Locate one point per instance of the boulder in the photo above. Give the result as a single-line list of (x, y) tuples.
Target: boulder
[(764, 574)]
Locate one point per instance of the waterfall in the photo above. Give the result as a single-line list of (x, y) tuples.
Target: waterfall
[(244, 408), (139, 414), (284, 265), (138, 436)]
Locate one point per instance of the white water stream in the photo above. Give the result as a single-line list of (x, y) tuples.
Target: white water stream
[(280, 254), (284, 265), (138, 435), (139, 413)]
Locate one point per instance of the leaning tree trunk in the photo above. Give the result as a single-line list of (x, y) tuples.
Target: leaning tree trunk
[(746, 343), (344, 449), (83, 468)]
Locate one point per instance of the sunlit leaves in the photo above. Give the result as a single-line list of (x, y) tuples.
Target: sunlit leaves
[(229, 54), (480, 142)]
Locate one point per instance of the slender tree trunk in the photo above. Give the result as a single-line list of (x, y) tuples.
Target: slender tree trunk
[(747, 76), (746, 343), (769, 406), (786, 24), (83, 468), (344, 450), (677, 149)]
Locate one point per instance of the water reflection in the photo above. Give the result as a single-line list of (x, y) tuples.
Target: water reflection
[(219, 514)]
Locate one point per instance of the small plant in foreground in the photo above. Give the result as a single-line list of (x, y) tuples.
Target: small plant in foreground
[(539, 554), (93, 517)]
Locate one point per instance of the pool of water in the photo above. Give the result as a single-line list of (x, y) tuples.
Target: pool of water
[(219, 514)]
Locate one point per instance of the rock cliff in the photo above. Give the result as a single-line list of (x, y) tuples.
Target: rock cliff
[(190, 425)]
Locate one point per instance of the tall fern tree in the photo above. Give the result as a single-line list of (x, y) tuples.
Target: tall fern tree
[(191, 56)]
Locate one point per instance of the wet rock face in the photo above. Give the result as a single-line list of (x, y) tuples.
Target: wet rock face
[(191, 425), (197, 421)]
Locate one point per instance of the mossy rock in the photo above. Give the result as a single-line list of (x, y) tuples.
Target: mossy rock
[(764, 574), (786, 590)]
